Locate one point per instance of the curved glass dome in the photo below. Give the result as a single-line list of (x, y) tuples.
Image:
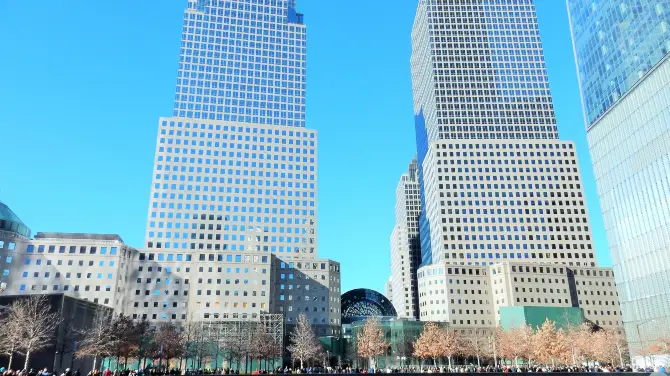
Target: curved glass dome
[(11, 222), (361, 303)]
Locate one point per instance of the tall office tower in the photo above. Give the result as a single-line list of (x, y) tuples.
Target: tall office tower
[(234, 184), (624, 73), (405, 246), (496, 181), (497, 185)]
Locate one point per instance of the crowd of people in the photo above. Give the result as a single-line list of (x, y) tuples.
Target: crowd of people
[(657, 371)]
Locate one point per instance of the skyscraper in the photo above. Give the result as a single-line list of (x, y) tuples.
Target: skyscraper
[(234, 184), (495, 178), (232, 222), (405, 246), (624, 74), (497, 185)]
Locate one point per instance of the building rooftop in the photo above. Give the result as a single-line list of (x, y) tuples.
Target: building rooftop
[(77, 236)]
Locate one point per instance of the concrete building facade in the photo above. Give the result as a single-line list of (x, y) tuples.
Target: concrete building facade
[(405, 245), (89, 267), (232, 218), (500, 194), (470, 296)]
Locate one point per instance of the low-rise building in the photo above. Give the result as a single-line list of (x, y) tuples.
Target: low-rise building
[(472, 296)]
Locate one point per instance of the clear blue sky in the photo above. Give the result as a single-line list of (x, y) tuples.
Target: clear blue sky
[(84, 82)]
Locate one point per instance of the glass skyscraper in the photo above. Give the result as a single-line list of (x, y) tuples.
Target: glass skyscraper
[(616, 44), (242, 60), (624, 74)]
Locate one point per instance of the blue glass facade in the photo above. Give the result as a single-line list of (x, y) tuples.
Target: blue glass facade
[(242, 60), (624, 73), (616, 43)]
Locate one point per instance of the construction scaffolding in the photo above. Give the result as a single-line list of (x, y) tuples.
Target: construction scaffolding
[(233, 342)]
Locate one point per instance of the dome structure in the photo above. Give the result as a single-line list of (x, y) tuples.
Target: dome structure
[(11, 222), (359, 304)]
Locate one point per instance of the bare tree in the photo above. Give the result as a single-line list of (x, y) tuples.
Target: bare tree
[(450, 344), (550, 344), (371, 341), (263, 346), (97, 340), (581, 342), (426, 346), (238, 342), (124, 338), (10, 333), (516, 343), (67, 337), (168, 343), (304, 344), (477, 344), (610, 346), (216, 342), (38, 324), (145, 337)]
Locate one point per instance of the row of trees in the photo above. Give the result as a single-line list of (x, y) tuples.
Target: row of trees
[(26, 327), (195, 345), (545, 344), (29, 325)]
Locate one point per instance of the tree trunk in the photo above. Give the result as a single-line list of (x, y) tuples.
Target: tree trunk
[(11, 357), (301, 367), (478, 363), (95, 361), (449, 362), (25, 366)]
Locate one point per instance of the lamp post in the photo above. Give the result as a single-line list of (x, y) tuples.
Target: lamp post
[(53, 370)]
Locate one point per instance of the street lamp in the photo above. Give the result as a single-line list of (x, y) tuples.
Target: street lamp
[(53, 370)]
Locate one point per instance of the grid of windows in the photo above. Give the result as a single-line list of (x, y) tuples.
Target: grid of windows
[(93, 270), (405, 246), (478, 71), (473, 295), (242, 60), (630, 39), (234, 187), (520, 200)]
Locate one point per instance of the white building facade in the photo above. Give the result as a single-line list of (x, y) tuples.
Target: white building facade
[(405, 246), (232, 221), (498, 189)]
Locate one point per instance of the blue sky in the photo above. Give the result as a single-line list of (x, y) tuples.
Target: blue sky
[(84, 82)]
